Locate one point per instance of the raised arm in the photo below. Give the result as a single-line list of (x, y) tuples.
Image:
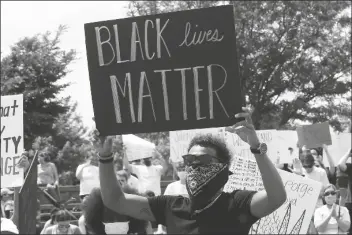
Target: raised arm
[(112, 194), (264, 202), (342, 163)]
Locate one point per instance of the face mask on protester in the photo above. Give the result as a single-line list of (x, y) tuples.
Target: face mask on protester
[(330, 197), (204, 182)]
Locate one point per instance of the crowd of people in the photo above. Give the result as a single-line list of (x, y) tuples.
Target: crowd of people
[(123, 197)]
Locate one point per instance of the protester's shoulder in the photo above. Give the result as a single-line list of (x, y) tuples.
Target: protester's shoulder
[(238, 198)]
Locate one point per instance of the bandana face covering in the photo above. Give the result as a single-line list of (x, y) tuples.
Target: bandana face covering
[(203, 182)]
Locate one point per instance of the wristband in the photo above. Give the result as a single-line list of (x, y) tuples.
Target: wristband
[(106, 159)]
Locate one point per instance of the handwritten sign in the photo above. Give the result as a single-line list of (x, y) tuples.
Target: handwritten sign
[(165, 72), (294, 216), (242, 149), (179, 140), (313, 136), (137, 148), (246, 175), (11, 140)]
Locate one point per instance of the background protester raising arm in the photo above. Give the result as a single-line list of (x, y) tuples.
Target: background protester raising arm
[(266, 201), (112, 194)]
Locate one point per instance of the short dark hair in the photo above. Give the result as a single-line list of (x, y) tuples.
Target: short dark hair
[(62, 215), (306, 157), (214, 142)]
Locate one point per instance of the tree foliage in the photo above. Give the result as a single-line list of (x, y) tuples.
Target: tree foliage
[(34, 68), (294, 57)]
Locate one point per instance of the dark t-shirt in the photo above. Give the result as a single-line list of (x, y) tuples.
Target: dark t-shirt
[(230, 214), (349, 173)]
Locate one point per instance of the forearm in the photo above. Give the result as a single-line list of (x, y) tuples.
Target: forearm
[(343, 224), (272, 181), (110, 188), (343, 160), (323, 224)]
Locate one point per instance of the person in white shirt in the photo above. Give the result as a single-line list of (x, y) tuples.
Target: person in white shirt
[(175, 188), (149, 175), (88, 175), (306, 167), (331, 218), (132, 181), (8, 227)]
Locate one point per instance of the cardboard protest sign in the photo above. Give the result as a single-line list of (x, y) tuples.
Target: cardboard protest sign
[(293, 217), (137, 148), (164, 72), (179, 140), (287, 139), (242, 149), (315, 135), (11, 140)]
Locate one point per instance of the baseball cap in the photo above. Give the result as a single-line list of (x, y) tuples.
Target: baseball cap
[(6, 191)]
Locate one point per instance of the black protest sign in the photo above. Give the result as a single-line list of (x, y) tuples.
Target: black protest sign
[(164, 72)]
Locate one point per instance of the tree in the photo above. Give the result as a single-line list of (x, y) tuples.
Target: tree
[(294, 57), (33, 68)]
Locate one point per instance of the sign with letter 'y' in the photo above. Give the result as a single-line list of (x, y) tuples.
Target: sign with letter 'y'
[(165, 72), (11, 140)]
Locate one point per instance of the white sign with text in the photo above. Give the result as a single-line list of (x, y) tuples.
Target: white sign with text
[(11, 140), (137, 148)]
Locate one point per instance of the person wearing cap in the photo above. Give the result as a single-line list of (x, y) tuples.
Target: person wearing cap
[(8, 226), (7, 203)]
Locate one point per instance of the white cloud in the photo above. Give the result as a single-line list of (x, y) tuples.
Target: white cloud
[(21, 19)]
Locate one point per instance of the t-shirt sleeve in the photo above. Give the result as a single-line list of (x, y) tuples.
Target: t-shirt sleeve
[(168, 190), (241, 204), (318, 216), (159, 206)]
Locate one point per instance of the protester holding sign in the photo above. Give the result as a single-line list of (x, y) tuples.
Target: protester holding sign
[(208, 209), (332, 218), (149, 175)]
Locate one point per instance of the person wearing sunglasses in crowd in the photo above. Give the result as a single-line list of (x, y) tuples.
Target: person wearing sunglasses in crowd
[(62, 225), (208, 209), (331, 218)]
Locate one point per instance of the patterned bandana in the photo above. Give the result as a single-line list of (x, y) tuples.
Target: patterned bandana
[(203, 182)]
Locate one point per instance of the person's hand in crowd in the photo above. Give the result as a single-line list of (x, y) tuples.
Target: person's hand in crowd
[(334, 211), (245, 129), (297, 166), (23, 162), (105, 146)]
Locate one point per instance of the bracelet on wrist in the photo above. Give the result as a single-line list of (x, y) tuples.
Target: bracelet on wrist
[(107, 159)]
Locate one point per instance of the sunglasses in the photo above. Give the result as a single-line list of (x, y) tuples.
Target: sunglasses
[(308, 167), (63, 226), (332, 193), (203, 159)]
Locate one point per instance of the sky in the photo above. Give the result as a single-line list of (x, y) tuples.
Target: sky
[(21, 19)]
